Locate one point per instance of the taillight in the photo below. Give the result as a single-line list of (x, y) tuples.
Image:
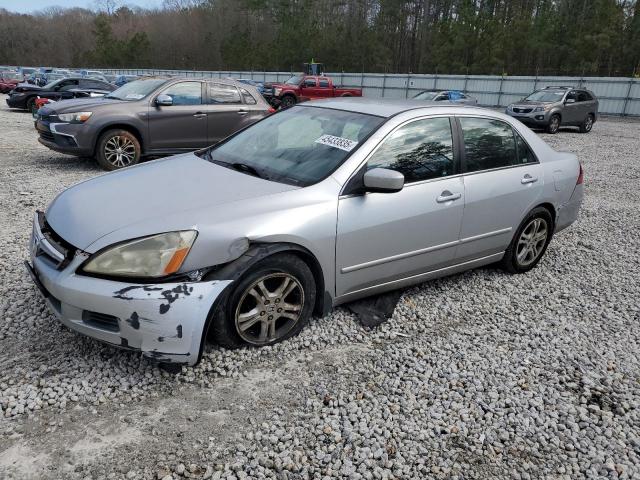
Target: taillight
[(580, 180)]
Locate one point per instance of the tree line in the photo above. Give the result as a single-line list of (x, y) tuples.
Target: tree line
[(511, 37)]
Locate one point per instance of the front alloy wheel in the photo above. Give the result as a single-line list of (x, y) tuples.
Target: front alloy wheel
[(269, 308), (117, 149), (554, 124)]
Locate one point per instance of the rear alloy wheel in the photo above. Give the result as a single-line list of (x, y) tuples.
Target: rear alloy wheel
[(587, 125), (117, 149), (530, 242), (272, 302), (554, 124)]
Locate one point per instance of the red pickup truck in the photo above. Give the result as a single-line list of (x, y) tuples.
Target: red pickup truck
[(300, 88)]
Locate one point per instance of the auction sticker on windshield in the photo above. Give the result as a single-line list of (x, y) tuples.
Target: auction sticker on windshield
[(337, 142)]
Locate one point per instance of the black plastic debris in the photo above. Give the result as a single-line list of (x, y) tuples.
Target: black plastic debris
[(373, 311)]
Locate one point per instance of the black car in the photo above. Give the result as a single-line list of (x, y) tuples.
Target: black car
[(24, 95)]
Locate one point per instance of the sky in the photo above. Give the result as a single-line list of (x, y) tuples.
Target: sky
[(28, 6)]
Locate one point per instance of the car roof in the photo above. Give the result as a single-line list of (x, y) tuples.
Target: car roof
[(381, 107)]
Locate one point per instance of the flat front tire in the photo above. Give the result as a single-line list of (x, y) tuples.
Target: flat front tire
[(117, 149), (530, 242), (270, 303)]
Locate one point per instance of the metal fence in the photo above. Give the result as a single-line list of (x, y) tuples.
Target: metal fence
[(617, 95)]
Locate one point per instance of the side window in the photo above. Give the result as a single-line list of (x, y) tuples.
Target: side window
[(221, 93), (572, 96), (309, 82), (525, 155), (185, 93), (442, 97), (583, 97), (420, 150), (487, 144), (94, 84), (323, 83), (247, 97), (68, 85)]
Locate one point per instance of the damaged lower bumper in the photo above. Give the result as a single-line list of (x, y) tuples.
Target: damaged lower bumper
[(164, 321)]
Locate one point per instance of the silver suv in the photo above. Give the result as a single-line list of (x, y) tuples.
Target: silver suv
[(553, 107)]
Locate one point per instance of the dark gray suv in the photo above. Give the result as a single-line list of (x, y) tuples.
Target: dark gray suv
[(553, 107), (150, 116)]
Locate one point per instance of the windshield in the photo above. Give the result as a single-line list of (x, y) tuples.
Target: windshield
[(426, 95), (546, 96), (136, 90), (295, 80), (298, 146), (52, 84)]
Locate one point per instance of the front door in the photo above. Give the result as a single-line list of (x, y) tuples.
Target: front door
[(571, 113), (502, 181), (182, 125), (382, 237)]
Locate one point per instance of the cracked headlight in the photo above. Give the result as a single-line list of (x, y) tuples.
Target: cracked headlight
[(76, 117), (155, 256)]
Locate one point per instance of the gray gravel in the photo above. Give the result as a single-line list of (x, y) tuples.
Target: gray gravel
[(480, 375)]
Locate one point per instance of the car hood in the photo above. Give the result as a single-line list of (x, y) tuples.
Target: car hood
[(530, 103), (173, 193), (79, 104)]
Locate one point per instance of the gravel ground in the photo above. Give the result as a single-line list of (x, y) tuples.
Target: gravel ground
[(480, 375)]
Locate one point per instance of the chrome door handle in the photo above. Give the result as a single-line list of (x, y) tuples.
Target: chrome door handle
[(199, 115), (242, 112), (447, 196), (528, 179)]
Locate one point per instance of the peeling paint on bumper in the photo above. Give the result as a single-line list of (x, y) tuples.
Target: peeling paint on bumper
[(164, 321)]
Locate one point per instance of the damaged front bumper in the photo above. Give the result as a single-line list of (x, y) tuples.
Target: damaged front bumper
[(164, 321)]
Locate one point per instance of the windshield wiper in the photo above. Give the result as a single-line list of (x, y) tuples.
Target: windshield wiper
[(240, 167), (243, 167)]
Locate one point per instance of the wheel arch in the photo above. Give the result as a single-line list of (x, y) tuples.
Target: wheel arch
[(257, 252), (550, 208), (119, 126)]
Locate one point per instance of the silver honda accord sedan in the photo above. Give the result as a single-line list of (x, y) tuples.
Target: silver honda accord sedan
[(318, 205)]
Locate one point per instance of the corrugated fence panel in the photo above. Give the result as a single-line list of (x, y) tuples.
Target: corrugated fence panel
[(618, 96)]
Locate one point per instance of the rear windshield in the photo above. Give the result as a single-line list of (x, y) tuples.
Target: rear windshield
[(546, 96), (298, 146)]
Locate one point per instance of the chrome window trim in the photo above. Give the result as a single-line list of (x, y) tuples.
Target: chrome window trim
[(377, 146)]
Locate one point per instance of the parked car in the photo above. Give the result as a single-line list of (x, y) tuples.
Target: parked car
[(300, 88), (151, 116), (26, 71), (259, 85), (24, 95), (553, 107), (9, 80), (120, 80), (91, 73), (312, 207), (453, 96), (37, 78)]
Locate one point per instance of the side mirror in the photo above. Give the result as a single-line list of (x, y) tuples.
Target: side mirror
[(570, 100), (383, 180), (164, 100)]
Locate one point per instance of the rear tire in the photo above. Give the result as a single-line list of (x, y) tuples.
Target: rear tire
[(246, 317), (587, 125), (554, 124), (530, 242), (117, 149)]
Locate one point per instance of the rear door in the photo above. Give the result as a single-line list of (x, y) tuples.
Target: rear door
[(382, 237), (226, 111), (503, 181), (182, 125), (572, 111)]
